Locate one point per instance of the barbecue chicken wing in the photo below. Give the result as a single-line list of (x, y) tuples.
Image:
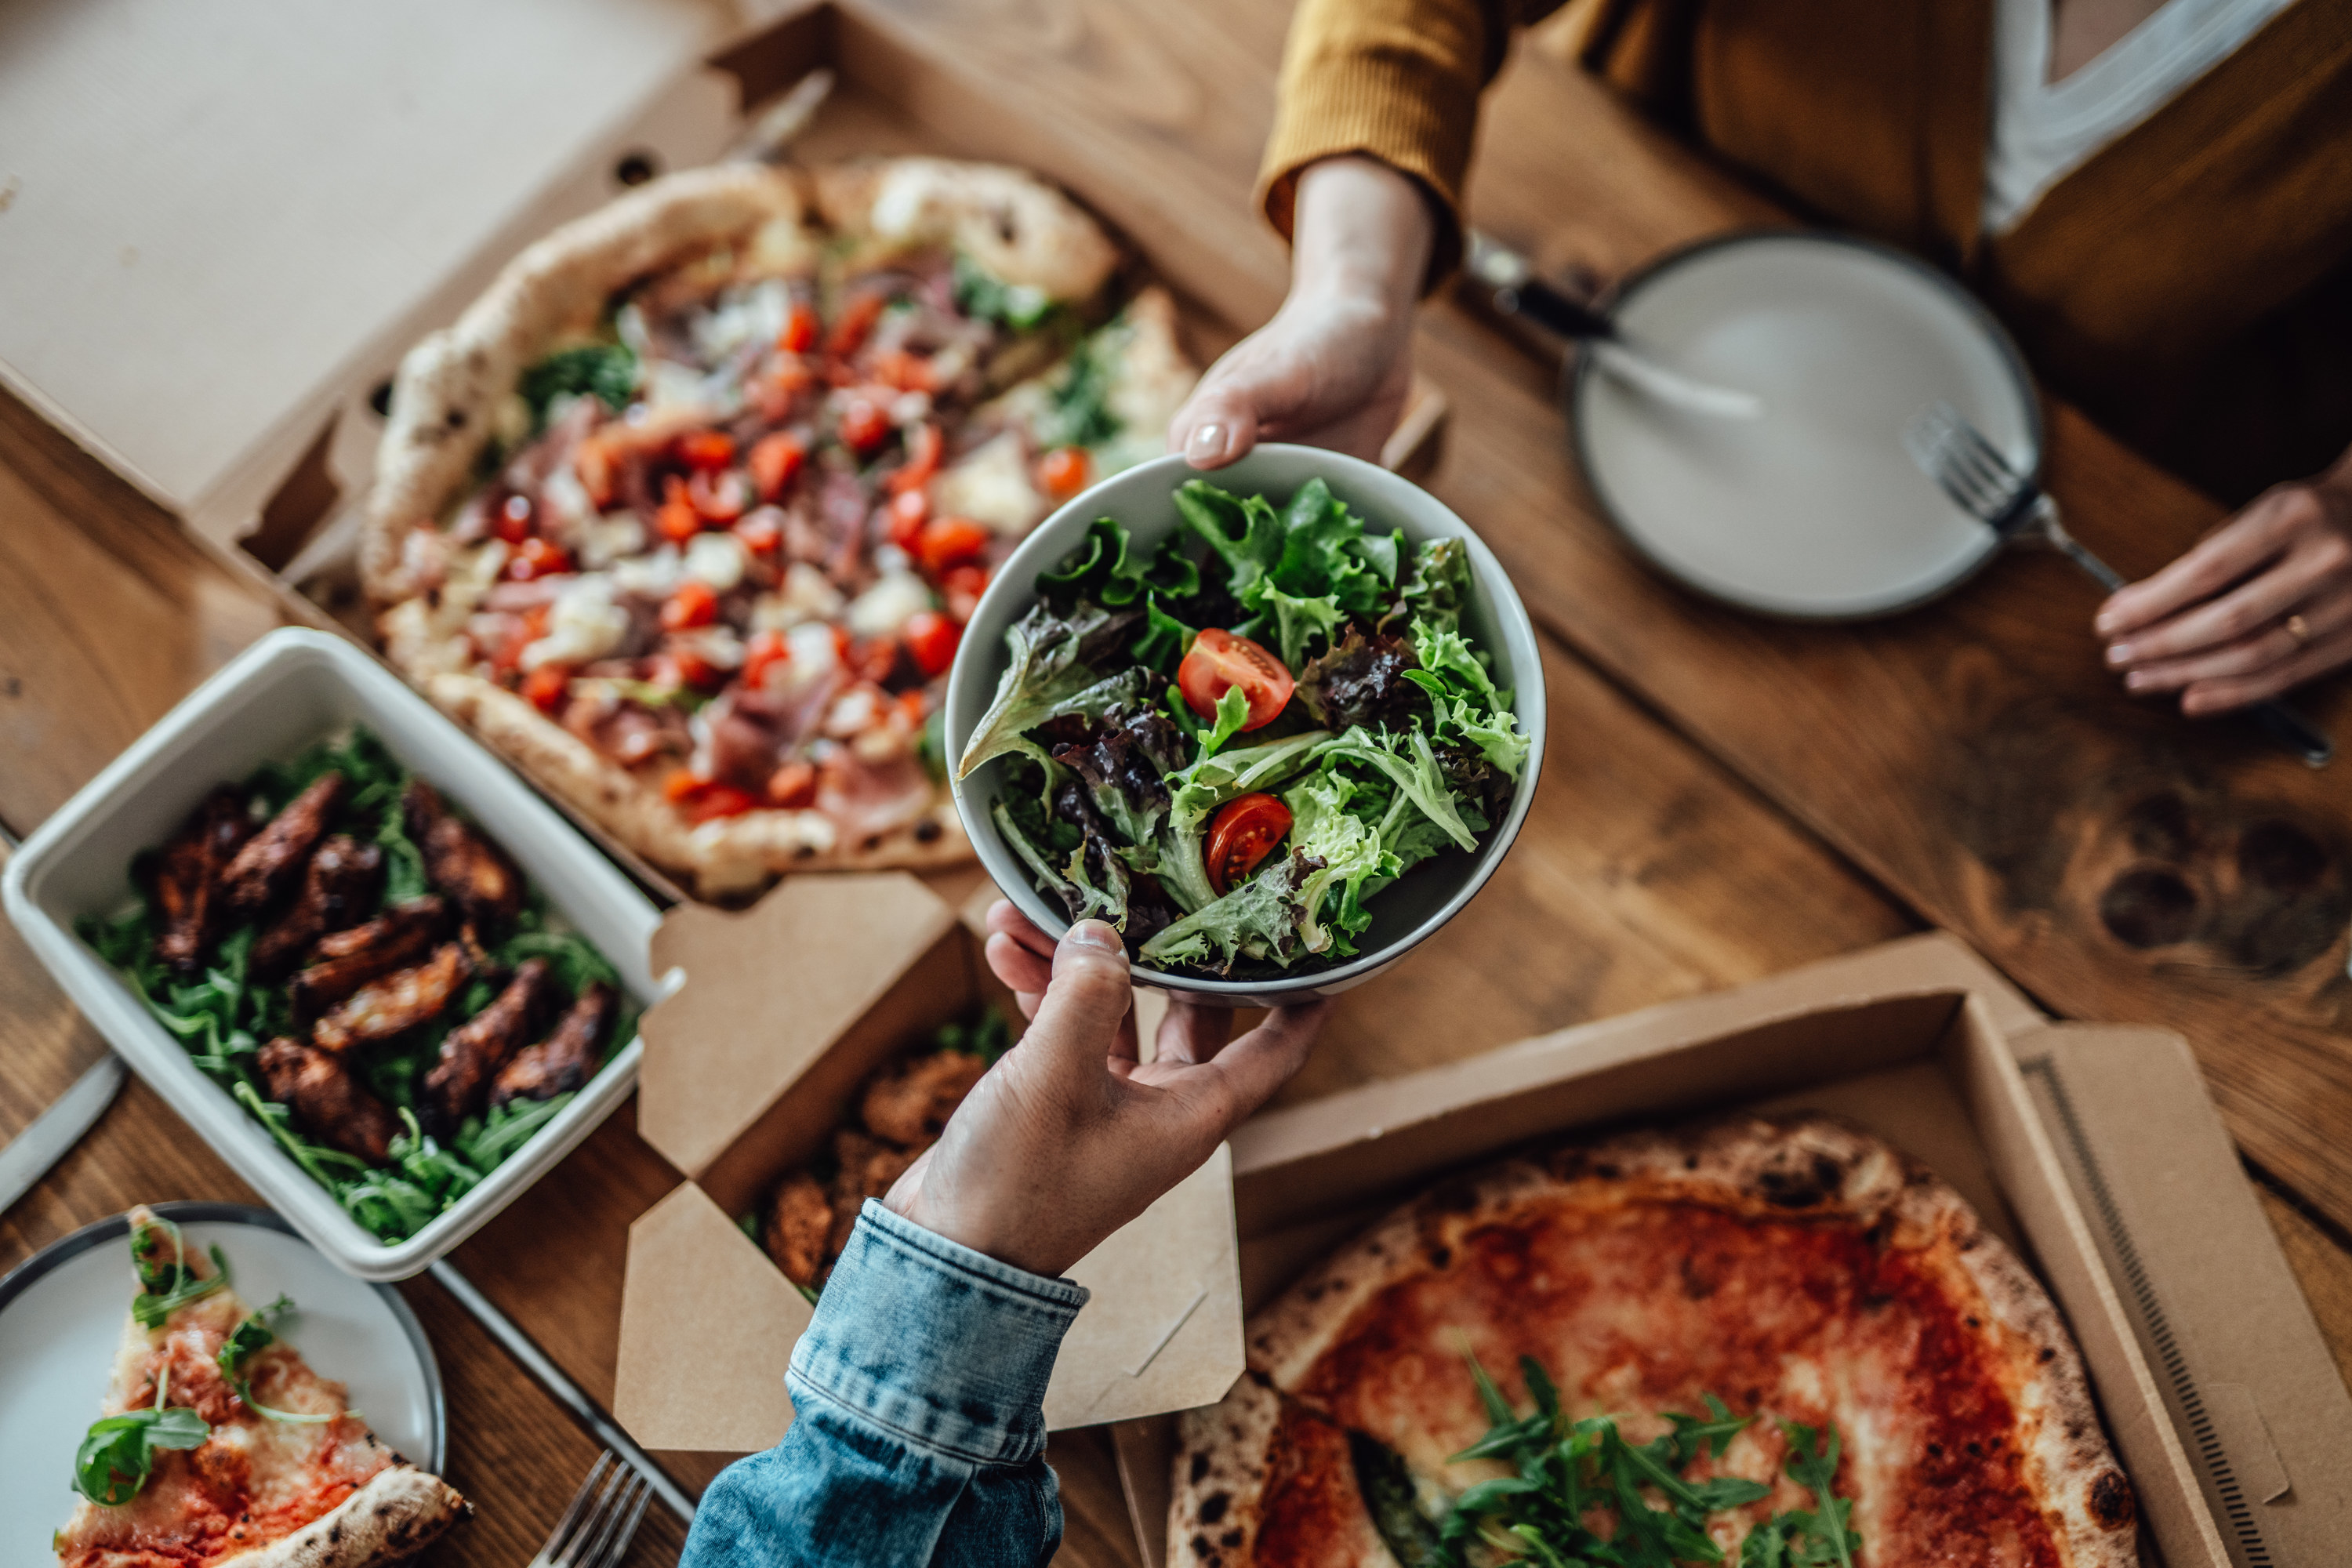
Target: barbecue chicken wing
[(186, 876), (342, 962), (328, 1099), (475, 1049), (339, 888), (272, 858), (570, 1054), (464, 866), (397, 1003)]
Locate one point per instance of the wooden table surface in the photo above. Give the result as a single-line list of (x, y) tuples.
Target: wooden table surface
[(1723, 797)]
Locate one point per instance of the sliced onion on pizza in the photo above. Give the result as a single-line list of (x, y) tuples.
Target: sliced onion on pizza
[(686, 513), (1787, 1316)]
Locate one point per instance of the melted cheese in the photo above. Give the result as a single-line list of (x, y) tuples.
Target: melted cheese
[(718, 559), (584, 624), (991, 485), (885, 607)]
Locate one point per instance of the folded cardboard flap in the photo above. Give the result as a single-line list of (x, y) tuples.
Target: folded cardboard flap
[(2244, 1375)]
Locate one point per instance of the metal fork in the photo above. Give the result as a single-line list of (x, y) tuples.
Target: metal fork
[(596, 1530), (1983, 483)]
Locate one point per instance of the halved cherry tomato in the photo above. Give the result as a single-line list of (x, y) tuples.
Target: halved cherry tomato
[(775, 460), (923, 447), (908, 511), (764, 650), (513, 523), (1218, 661), (683, 667), (947, 542), (799, 335), (678, 519), (681, 786), (932, 638), (857, 319), (705, 449), (1062, 472), (545, 687), (876, 661), (1242, 834), (720, 800), (793, 786), (864, 422), (718, 495), (962, 587), (761, 533), (535, 557), (593, 462), (693, 604)]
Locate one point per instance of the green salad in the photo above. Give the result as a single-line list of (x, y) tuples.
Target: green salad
[(1228, 748), (321, 988)]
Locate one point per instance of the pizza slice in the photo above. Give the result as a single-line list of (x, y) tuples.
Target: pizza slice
[(685, 515), (1802, 1348), (219, 1444)]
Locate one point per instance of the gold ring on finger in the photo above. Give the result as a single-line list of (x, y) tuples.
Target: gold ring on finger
[(2300, 630)]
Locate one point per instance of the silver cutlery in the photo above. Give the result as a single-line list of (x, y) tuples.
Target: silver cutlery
[(596, 1530), (43, 1142), (1519, 292), (1983, 483)]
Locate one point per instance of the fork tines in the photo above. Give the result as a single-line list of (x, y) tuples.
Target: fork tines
[(1970, 468), (596, 1529)]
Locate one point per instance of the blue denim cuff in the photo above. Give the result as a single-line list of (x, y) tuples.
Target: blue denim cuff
[(941, 1346)]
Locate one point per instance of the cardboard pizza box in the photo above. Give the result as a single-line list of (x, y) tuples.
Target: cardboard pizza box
[(748, 1068), (2095, 1151), (225, 306)]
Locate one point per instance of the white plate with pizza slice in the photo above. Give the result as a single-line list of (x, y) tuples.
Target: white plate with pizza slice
[(62, 1327)]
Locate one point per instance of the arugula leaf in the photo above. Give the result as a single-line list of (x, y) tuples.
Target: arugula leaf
[(982, 295), (1812, 1463), (487, 1145), (164, 1289), (251, 1336), (607, 371), (118, 1453), (1389, 1497)]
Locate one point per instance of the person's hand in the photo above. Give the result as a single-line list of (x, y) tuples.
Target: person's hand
[(1334, 365), (1068, 1138), (2262, 602)]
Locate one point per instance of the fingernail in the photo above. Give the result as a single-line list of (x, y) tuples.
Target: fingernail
[(2138, 680), (2104, 622), (2119, 653), (1207, 445), (1096, 935)]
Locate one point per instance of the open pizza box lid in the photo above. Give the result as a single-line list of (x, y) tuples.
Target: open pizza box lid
[(2093, 1151), (785, 1010)]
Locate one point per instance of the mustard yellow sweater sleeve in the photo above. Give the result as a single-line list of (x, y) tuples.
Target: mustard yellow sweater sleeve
[(1398, 79)]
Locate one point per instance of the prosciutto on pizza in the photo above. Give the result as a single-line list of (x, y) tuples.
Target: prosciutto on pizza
[(685, 514), (1735, 1298)]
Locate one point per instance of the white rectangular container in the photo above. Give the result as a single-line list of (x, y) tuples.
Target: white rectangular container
[(292, 688)]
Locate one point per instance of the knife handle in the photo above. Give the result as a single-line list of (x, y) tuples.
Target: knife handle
[(2292, 731), (1554, 311)]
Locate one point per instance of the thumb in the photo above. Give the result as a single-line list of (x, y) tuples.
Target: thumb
[(1085, 1002)]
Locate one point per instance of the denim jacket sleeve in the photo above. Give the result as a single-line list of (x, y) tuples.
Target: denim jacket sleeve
[(918, 1430)]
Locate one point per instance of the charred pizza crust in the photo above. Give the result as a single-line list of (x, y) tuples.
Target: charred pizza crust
[(456, 389), (1806, 1168)]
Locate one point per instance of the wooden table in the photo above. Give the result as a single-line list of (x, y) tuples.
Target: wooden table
[(1723, 797)]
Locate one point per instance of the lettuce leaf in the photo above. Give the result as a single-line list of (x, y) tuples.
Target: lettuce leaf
[(1258, 920), (1054, 671)]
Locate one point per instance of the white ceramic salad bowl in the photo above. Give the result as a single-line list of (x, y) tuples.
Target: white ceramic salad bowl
[(1404, 913)]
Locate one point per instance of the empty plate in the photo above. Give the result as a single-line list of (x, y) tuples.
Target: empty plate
[(61, 1317), (1814, 511)]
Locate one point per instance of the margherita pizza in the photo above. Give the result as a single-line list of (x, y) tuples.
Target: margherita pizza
[(220, 1448), (1765, 1342), (685, 514)]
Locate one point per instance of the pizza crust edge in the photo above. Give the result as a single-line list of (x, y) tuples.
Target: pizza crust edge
[(390, 1518), (1804, 1166)]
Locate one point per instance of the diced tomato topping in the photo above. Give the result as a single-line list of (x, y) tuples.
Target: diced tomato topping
[(765, 649), (793, 786), (527, 629), (718, 495), (595, 464), (876, 661), (761, 533), (775, 460), (545, 687), (1218, 661), (681, 786), (772, 393), (800, 331), (535, 557), (856, 319), (864, 422), (923, 447), (720, 800), (932, 638), (693, 604), (908, 511), (683, 667), (914, 707), (678, 519), (947, 542), (706, 449), (1062, 472), (513, 523), (962, 587), (906, 372)]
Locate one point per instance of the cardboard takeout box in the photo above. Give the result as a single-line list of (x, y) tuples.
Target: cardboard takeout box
[(786, 1011), (2093, 1152)]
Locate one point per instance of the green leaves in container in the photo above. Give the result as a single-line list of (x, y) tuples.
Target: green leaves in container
[(1103, 569), (1053, 672), (608, 372)]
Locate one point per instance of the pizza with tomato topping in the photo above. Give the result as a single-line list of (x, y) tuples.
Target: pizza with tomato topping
[(1762, 1342), (686, 513), (219, 1445)]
